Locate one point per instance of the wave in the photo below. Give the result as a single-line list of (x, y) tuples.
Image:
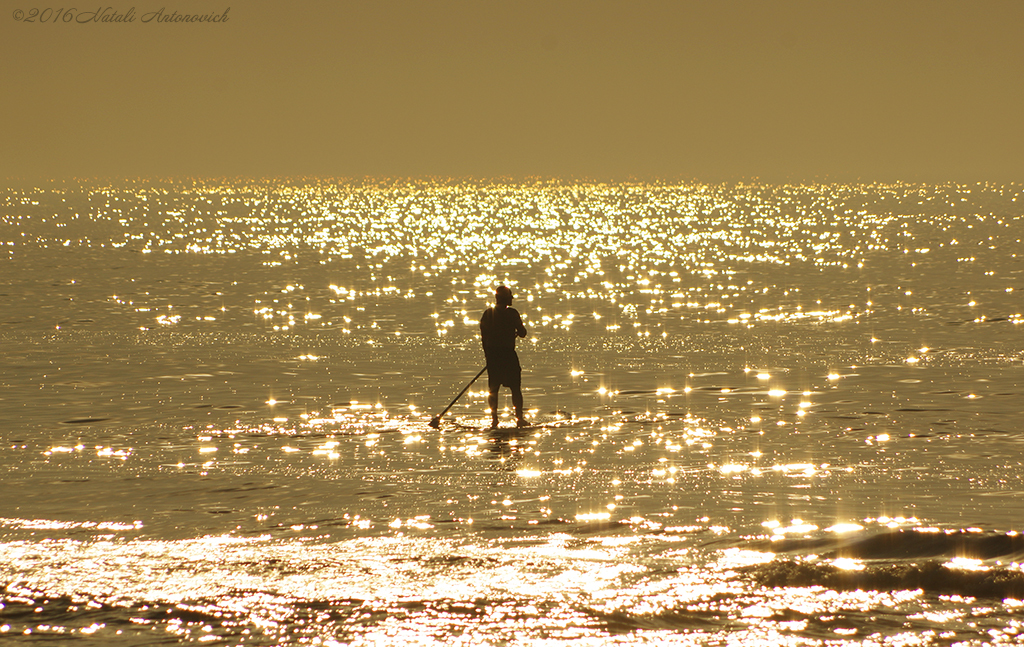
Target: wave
[(902, 543), (968, 563), (931, 577)]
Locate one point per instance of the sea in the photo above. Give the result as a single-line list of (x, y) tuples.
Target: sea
[(761, 414)]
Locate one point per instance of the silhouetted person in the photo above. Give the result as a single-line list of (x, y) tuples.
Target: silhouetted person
[(499, 327)]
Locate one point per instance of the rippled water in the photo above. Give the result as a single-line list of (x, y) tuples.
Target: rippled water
[(764, 414)]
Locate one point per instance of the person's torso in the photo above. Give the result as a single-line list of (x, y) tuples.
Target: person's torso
[(499, 329)]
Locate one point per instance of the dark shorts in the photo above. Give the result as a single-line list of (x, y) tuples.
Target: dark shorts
[(503, 369)]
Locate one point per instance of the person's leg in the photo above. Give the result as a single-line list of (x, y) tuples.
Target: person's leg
[(516, 384), (492, 399), (517, 402)]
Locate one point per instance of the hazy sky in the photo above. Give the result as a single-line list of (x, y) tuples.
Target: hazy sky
[(712, 90)]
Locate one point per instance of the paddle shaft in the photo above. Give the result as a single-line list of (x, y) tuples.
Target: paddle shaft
[(466, 388)]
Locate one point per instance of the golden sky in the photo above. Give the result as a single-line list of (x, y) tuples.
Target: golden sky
[(710, 90)]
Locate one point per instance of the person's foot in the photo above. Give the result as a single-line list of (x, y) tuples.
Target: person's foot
[(494, 423), (522, 422)]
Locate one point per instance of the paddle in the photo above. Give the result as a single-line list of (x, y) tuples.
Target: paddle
[(435, 422)]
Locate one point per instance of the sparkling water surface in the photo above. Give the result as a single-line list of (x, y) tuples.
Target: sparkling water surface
[(763, 414)]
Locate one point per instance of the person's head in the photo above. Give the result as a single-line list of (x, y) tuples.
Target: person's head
[(503, 296)]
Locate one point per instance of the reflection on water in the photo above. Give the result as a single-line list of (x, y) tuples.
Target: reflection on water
[(762, 414), (624, 587)]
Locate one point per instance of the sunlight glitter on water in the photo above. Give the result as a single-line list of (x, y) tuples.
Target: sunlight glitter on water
[(584, 242), (761, 414), (402, 588)]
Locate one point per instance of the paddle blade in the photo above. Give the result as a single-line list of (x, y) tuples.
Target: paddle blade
[(435, 422)]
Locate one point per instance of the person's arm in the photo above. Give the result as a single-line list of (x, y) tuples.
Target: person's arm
[(485, 327), (520, 328)]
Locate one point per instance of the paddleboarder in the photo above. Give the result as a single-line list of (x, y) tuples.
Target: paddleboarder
[(499, 328)]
